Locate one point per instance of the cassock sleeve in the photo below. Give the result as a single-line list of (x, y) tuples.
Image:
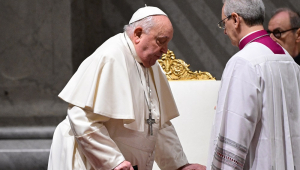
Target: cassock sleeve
[(168, 151), (238, 112), (93, 138)]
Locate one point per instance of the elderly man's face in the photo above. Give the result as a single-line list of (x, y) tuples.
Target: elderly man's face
[(151, 46), (281, 22)]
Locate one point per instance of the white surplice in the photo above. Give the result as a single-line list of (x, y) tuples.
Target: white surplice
[(106, 122), (257, 121)]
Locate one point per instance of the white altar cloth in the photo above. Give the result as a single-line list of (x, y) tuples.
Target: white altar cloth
[(195, 101)]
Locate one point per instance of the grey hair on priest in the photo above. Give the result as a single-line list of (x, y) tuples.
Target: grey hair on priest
[(252, 11), (146, 24)]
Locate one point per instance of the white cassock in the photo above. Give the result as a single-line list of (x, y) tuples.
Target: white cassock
[(106, 122), (257, 121)]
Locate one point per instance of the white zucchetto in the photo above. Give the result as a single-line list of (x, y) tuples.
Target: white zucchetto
[(145, 12)]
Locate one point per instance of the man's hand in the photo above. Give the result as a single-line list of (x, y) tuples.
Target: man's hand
[(124, 166), (193, 167)]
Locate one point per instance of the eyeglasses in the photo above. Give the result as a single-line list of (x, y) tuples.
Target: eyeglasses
[(277, 33), (221, 24)]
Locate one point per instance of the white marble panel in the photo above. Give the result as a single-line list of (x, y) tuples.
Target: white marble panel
[(35, 55)]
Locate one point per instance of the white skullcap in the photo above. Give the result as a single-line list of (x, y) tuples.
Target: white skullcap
[(145, 12)]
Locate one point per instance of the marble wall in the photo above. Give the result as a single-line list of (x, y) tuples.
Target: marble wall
[(36, 63)]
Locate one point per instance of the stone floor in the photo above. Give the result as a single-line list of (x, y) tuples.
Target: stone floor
[(25, 148)]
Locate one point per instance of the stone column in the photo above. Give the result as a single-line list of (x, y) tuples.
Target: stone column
[(35, 64)]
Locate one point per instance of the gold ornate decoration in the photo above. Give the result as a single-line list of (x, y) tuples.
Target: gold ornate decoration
[(177, 69)]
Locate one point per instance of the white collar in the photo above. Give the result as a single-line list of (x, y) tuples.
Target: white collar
[(247, 35)]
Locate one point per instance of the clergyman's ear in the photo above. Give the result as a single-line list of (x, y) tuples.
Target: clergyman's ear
[(298, 35), (138, 32), (236, 19)]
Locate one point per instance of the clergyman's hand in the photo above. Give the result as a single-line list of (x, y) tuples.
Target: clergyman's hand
[(193, 167), (124, 166)]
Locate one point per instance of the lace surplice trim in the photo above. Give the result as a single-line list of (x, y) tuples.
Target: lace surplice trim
[(229, 159), (233, 144)]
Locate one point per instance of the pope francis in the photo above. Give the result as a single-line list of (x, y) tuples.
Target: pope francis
[(120, 104)]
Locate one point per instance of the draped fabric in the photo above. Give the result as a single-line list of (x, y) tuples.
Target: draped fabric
[(109, 84), (107, 114), (257, 117)]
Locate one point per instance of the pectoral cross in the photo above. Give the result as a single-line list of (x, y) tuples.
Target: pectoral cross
[(150, 121)]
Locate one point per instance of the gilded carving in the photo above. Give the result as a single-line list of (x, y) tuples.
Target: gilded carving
[(177, 69)]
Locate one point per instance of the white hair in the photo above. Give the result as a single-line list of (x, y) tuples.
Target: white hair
[(146, 24), (252, 11)]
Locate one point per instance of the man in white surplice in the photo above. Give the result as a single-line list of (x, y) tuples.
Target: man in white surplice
[(257, 121), (111, 97)]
